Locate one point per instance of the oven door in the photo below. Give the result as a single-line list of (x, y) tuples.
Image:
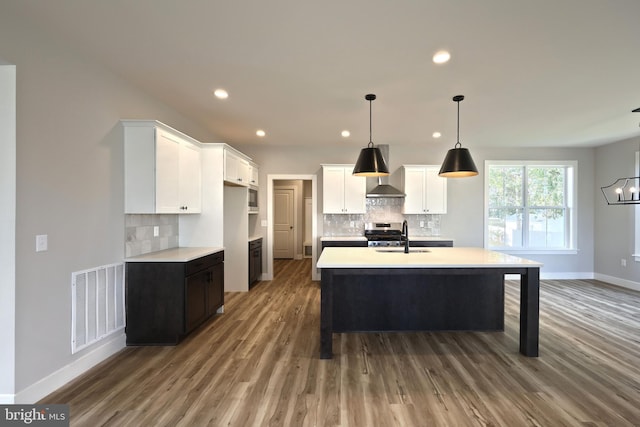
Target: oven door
[(384, 243)]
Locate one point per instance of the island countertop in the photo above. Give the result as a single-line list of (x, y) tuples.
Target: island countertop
[(439, 257), (181, 254)]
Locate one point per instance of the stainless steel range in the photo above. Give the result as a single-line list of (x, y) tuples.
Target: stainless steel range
[(383, 233)]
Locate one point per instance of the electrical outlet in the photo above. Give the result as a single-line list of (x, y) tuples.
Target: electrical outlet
[(156, 231), (623, 262), (421, 224), (41, 242), (352, 224)]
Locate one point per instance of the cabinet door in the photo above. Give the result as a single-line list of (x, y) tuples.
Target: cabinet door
[(333, 190), (254, 174), (355, 192), (414, 189), (195, 302), (236, 169), (435, 192), (230, 167), (244, 172), (190, 179), (215, 289), (167, 173)]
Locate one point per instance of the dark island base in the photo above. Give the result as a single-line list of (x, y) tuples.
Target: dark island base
[(432, 299)]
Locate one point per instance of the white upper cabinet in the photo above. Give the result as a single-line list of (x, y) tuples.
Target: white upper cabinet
[(426, 192), (254, 173), (236, 168), (342, 193), (162, 169)]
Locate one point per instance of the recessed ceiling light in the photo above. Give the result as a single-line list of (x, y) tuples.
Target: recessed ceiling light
[(221, 94), (436, 134), (260, 133), (441, 57), (345, 134)]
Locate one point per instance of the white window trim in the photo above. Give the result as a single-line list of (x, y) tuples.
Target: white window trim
[(572, 203)]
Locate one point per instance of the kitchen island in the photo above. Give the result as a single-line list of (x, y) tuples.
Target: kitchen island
[(427, 289)]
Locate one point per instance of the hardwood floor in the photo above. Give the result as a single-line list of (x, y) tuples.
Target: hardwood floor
[(258, 365)]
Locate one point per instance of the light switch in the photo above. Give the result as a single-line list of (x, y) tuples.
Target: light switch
[(263, 223), (41, 243), (156, 231)]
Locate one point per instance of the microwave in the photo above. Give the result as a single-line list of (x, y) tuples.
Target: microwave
[(253, 200)]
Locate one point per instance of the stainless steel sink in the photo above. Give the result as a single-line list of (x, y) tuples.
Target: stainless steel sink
[(401, 250)]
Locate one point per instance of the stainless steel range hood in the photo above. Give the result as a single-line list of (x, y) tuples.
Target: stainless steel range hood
[(384, 189)]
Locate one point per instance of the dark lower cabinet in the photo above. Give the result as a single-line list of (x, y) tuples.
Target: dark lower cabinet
[(255, 261), (167, 300)]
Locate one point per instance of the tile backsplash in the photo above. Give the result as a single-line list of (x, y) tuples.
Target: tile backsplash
[(139, 238), (378, 210)]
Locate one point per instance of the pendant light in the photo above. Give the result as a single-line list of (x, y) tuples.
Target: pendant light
[(625, 191), (370, 161), (458, 162)]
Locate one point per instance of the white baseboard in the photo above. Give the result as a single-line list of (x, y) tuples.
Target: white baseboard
[(556, 276), (567, 276), (623, 283), (51, 383)]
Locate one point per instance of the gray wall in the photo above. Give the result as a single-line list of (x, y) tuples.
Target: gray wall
[(464, 221), (69, 184), (614, 225)]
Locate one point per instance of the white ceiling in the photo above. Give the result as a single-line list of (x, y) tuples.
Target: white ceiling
[(534, 73)]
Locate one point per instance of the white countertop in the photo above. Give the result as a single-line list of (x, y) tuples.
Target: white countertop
[(430, 238), (174, 255), (419, 258), (343, 238)]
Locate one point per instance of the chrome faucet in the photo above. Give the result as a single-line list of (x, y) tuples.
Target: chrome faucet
[(405, 236)]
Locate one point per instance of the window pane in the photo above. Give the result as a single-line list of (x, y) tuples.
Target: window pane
[(546, 186), (505, 186), (505, 227), (547, 228)]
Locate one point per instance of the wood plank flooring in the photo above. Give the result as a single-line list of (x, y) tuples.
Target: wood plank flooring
[(258, 365)]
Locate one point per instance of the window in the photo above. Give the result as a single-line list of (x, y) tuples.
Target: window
[(530, 206)]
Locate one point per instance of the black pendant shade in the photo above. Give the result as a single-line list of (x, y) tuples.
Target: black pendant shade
[(458, 162), (370, 161)]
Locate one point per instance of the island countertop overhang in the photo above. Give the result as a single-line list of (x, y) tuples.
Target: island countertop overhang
[(438, 257)]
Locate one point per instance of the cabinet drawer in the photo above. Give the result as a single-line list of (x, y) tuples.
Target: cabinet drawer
[(203, 263)]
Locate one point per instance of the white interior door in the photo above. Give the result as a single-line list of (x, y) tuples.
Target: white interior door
[(283, 223)]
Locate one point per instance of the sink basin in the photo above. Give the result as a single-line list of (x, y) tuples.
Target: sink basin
[(401, 250)]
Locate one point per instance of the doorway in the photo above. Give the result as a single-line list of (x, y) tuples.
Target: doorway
[(291, 220), (285, 227)]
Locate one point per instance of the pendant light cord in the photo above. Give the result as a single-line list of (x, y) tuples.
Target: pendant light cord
[(457, 99), (370, 140), (370, 97)]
